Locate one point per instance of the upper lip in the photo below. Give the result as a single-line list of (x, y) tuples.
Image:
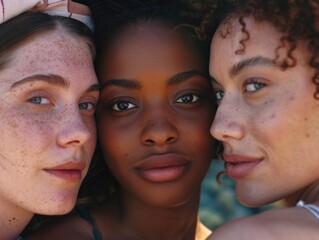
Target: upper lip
[(162, 160), (71, 165), (238, 158)]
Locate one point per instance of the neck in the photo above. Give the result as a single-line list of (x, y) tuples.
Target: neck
[(309, 194), (13, 220), (149, 222)]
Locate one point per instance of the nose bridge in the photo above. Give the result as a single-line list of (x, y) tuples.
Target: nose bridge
[(73, 128), (159, 127), (229, 119)]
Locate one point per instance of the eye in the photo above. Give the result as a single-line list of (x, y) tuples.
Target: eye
[(39, 100), (219, 95), (253, 85), (188, 98), (122, 106), (87, 106)]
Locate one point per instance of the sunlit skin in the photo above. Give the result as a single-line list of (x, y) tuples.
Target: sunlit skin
[(48, 93), (155, 111), (153, 121), (266, 115)]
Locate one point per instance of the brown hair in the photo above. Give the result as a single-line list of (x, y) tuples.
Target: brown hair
[(298, 20), (20, 29)]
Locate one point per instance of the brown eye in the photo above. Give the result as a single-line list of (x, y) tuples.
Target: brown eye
[(188, 98), (122, 106)]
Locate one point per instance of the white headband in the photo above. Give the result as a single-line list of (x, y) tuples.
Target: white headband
[(67, 8)]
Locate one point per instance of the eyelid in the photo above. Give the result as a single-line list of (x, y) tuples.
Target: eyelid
[(197, 96), (255, 80)]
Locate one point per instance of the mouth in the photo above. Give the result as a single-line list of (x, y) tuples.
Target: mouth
[(70, 171), (239, 166), (163, 168)]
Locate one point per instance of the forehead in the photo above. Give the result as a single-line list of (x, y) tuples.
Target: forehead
[(51, 49), (149, 46), (258, 39)]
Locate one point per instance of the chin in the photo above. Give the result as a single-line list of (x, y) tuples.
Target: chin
[(58, 206)]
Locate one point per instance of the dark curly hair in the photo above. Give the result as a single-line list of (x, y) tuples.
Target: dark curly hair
[(298, 20), (190, 17)]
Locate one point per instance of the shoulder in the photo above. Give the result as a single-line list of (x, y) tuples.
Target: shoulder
[(286, 223), (69, 227)]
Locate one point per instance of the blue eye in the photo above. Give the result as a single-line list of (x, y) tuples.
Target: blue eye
[(86, 106), (253, 87), (188, 98), (219, 95), (122, 106), (39, 100)]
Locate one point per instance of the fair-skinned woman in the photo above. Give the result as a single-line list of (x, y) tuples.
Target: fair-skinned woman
[(48, 91)]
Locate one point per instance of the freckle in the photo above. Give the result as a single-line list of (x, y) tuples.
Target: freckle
[(307, 135), (306, 119), (292, 98), (273, 116)]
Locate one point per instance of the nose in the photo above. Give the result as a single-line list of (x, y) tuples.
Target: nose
[(74, 130), (228, 123), (159, 130)]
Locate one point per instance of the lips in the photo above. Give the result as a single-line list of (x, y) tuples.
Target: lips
[(70, 171), (239, 166), (166, 167)]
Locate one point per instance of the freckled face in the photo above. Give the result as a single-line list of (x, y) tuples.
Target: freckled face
[(265, 115), (47, 127), (155, 116)]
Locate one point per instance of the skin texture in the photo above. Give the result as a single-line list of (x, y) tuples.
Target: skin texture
[(269, 115), (160, 123), (160, 120), (46, 116)]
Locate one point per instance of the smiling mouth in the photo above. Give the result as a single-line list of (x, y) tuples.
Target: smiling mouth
[(240, 169), (163, 168)]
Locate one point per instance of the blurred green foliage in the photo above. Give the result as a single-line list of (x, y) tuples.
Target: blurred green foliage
[(218, 203)]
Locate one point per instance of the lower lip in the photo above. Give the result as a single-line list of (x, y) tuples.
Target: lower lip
[(240, 170), (68, 175), (164, 174)]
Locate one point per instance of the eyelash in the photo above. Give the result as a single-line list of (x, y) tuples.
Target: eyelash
[(37, 100), (32, 100), (117, 105), (189, 97), (257, 83), (93, 106)]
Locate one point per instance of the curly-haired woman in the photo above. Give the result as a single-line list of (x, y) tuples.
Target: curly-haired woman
[(265, 68)]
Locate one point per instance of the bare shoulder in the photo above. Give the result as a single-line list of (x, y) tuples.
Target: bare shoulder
[(286, 223), (69, 227)]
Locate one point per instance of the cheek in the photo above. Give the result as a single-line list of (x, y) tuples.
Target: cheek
[(25, 133)]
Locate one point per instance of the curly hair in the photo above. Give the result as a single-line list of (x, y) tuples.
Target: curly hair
[(297, 20)]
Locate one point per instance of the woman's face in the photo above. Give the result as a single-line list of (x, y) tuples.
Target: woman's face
[(155, 115), (47, 97), (267, 118)]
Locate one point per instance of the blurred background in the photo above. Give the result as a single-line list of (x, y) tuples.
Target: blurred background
[(218, 202)]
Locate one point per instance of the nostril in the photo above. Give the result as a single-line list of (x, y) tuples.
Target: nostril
[(171, 139), (149, 142)]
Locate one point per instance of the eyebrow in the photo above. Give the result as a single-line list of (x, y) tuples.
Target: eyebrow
[(180, 77), (132, 84), (126, 83), (251, 62), (51, 79)]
